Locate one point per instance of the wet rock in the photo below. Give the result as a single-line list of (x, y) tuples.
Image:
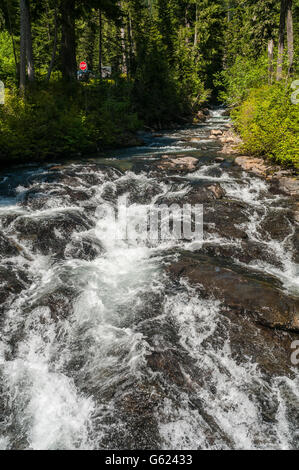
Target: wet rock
[(243, 294), (253, 165), (60, 302), (246, 251), (224, 218), (200, 117), (166, 363), (289, 186), (197, 195), (7, 247), (231, 142), (276, 225), (219, 159), (12, 281), (86, 248), (270, 349), (217, 190), (179, 164), (216, 132), (50, 233), (195, 140)]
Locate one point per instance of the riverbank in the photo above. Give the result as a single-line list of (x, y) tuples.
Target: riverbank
[(285, 178)]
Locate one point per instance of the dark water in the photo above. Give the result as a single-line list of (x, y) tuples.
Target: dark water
[(100, 348)]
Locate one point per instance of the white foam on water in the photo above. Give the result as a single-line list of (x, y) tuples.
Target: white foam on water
[(229, 409)]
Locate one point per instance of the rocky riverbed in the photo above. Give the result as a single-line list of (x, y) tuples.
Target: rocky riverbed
[(118, 343)]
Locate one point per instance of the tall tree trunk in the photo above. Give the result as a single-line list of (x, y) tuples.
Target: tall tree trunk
[(270, 60), (29, 48), (283, 12), (22, 45), (13, 40), (124, 65), (195, 27), (290, 37), (130, 39), (54, 47), (68, 46), (100, 43)]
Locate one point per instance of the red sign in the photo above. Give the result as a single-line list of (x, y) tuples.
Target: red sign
[(83, 66)]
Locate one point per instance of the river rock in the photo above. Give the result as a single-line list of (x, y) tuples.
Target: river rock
[(201, 116), (241, 293), (289, 186), (12, 281), (185, 164), (216, 132), (7, 247), (60, 302), (86, 248), (253, 165), (224, 219), (270, 349), (50, 233)]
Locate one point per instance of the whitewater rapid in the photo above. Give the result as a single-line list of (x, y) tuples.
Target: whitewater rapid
[(105, 350)]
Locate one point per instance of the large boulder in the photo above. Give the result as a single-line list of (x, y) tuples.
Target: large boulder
[(178, 164), (259, 299), (50, 233), (216, 132)]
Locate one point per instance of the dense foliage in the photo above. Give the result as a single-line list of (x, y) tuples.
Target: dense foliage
[(263, 112), (168, 57)]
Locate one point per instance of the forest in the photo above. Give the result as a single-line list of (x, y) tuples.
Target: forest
[(168, 59)]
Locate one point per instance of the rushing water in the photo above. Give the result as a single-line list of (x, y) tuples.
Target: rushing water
[(100, 348)]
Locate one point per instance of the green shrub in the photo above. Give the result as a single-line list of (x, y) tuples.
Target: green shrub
[(269, 124), (56, 120), (238, 80)]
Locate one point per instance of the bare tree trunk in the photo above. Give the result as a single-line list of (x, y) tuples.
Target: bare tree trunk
[(22, 45), (270, 60), (12, 39), (100, 43), (124, 51), (187, 25), (283, 11), (29, 48), (195, 27), (290, 37), (130, 39), (68, 46), (54, 48)]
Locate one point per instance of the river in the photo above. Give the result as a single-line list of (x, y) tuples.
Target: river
[(105, 344)]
